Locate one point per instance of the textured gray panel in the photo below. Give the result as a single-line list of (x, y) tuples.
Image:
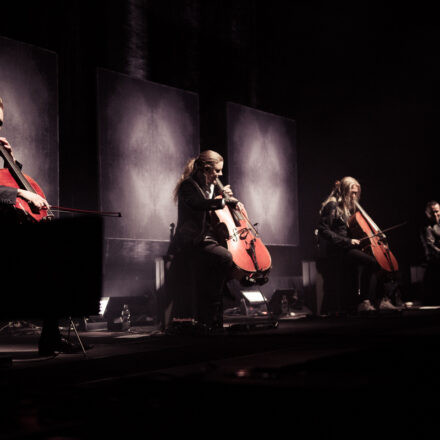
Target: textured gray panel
[(147, 132), (263, 174)]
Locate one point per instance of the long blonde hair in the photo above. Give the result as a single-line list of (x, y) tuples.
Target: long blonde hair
[(206, 160), (341, 195)]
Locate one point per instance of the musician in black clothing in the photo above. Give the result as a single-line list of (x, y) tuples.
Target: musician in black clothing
[(430, 237), (50, 340), (9, 195), (195, 238), (340, 257)]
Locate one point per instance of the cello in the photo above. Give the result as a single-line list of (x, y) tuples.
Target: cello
[(13, 177), (235, 231), (373, 240)]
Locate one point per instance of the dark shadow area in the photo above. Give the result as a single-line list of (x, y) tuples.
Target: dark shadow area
[(52, 268), (319, 375)]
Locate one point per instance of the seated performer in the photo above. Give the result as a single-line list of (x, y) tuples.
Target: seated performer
[(50, 340), (195, 239), (430, 238), (340, 255)]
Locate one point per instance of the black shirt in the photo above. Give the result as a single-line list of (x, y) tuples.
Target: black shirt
[(193, 223), (431, 239), (333, 232)]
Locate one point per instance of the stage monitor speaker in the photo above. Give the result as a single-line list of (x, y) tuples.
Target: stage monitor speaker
[(251, 307), (246, 300), (52, 268), (253, 303)]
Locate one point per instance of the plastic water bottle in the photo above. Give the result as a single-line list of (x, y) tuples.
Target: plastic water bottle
[(125, 317), (284, 305)]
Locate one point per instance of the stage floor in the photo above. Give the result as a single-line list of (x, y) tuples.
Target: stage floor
[(318, 375)]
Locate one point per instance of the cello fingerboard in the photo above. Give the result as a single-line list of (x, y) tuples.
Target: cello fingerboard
[(14, 169)]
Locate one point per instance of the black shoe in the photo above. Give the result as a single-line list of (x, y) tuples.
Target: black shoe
[(248, 282), (216, 331), (209, 330), (60, 346)]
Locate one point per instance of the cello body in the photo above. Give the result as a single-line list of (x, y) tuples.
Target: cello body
[(239, 236), (363, 228), (7, 179), (13, 177)]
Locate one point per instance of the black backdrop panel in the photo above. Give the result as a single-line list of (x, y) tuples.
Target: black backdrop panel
[(28, 87), (263, 171), (147, 132)]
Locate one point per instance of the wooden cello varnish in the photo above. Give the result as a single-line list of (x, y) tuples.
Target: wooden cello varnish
[(13, 177), (241, 238), (363, 228)]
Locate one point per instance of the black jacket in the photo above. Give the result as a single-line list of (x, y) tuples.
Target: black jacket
[(430, 238), (333, 233), (193, 221), (8, 195)]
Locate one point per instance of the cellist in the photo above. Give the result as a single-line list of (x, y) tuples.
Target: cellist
[(336, 244), (50, 341), (9, 195), (195, 196)]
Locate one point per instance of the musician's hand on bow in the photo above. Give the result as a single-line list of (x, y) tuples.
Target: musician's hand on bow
[(355, 242), (232, 202), (34, 199), (7, 146)]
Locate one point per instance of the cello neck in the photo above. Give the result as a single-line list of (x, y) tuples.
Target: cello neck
[(14, 169), (221, 186), (367, 218), (236, 213)]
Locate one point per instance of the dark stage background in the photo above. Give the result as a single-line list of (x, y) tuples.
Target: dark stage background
[(359, 81)]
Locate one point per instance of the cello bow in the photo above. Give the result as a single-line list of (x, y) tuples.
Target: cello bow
[(12, 173)]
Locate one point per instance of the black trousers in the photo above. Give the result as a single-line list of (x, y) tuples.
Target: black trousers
[(213, 265), (50, 333), (369, 270), (431, 283), (194, 284), (341, 277)]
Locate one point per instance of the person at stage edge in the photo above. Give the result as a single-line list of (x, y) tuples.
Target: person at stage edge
[(50, 340), (194, 238), (337, 246), (430, 238)]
